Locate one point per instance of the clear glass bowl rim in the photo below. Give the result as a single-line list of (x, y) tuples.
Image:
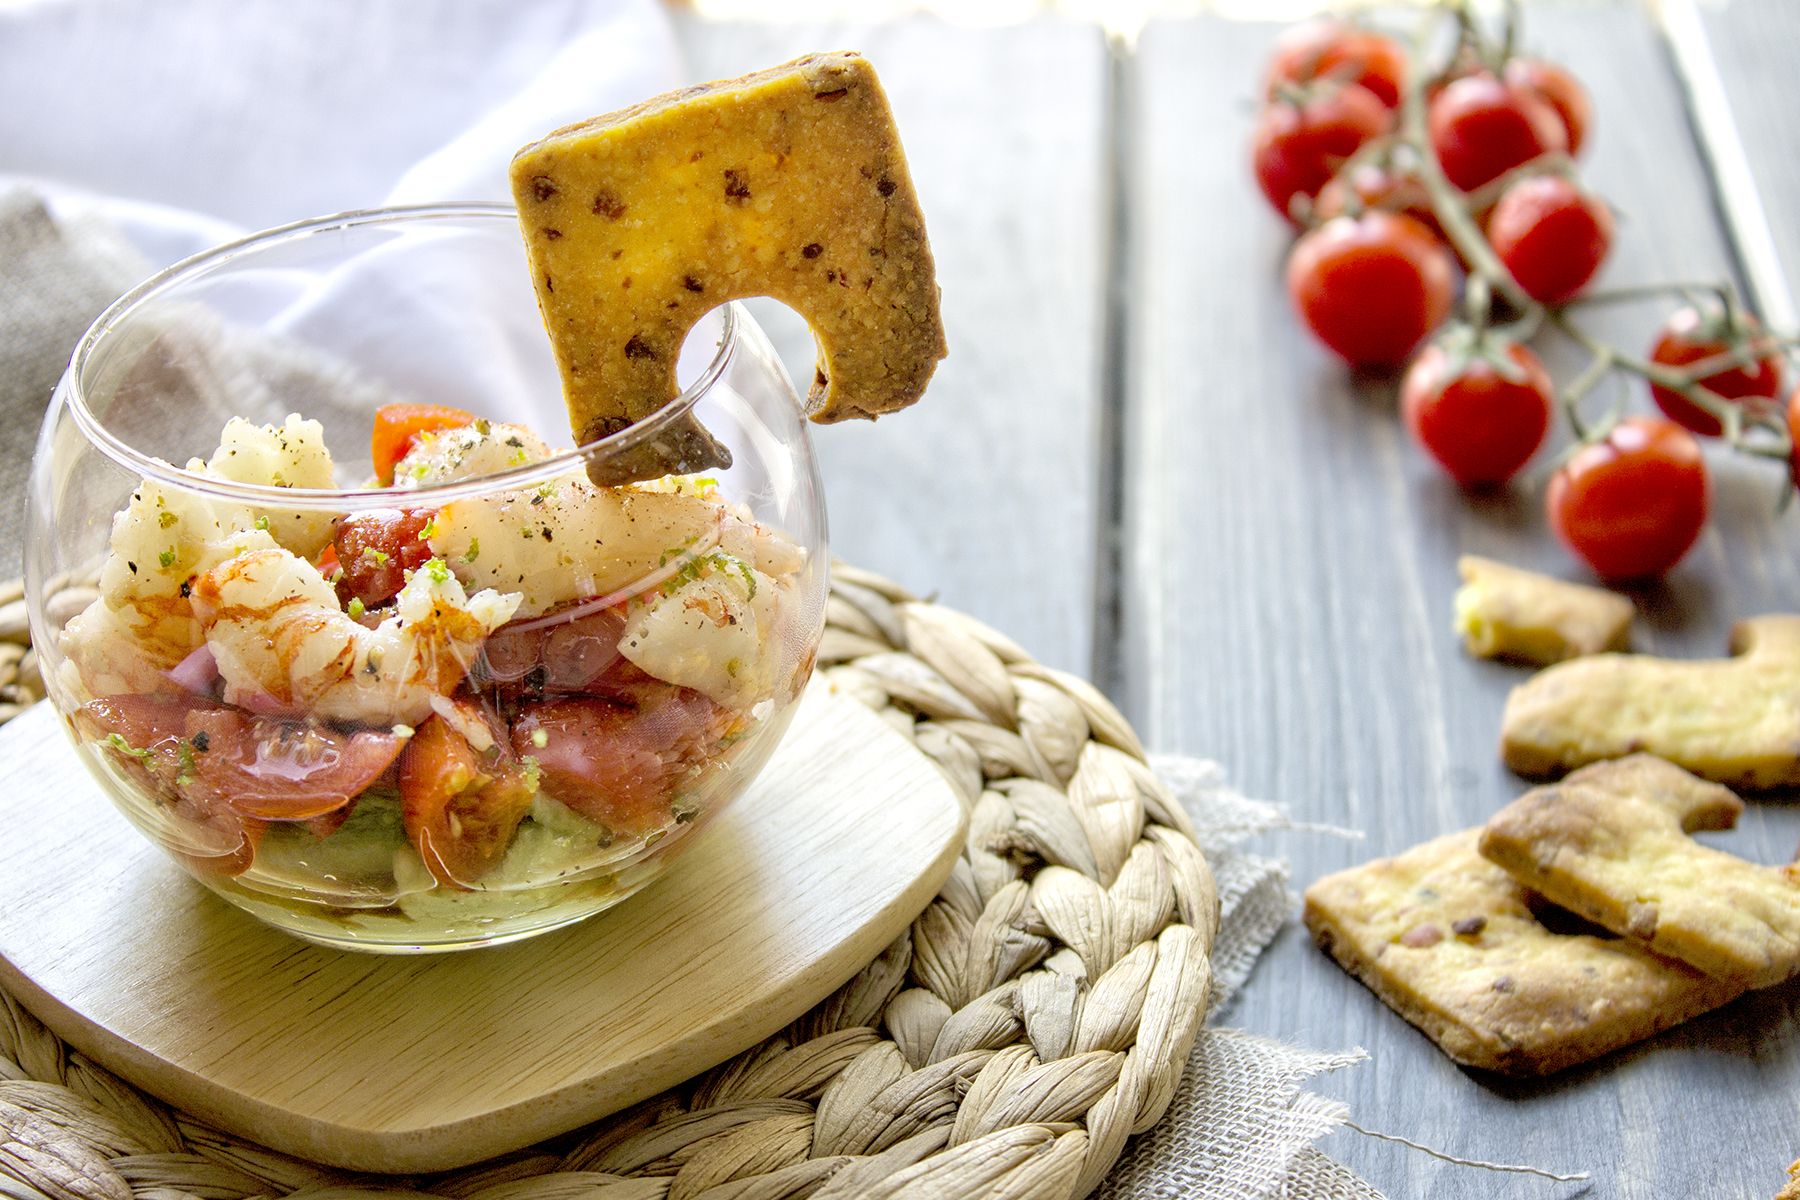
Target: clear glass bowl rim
[(268, 495)]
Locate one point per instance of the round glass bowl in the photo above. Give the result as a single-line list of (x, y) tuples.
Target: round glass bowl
[(485, 701)]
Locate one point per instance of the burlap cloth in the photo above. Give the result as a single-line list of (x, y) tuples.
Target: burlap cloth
[(1239, 1126)]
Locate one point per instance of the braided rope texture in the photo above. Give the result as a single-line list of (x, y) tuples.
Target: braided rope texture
[(1037, 1014)]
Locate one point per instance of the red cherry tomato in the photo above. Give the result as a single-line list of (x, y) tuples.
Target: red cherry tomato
[(396, 425), (1793, 424), (1632, 505), (461, 806), (1298, 145), (1480, 425), (617, 764), (375, 549), (1551, 236), (1689, 336), (1325, 47), (214, 756), (1370, 287), (1560, 90), (1370, 185), (1482, 128)]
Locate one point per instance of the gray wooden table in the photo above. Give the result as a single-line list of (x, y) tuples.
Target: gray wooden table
[(1136, 463)]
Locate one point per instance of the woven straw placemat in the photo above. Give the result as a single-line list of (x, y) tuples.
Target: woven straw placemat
[(1038, 1014)]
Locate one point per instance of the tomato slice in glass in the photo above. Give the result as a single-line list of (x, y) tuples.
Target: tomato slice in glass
[(615, 763), (375, 550), (461, 805), (216, 755), (397, 425)]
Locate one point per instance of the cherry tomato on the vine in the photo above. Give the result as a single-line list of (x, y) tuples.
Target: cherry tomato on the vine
[(1325, 47), (1481, 128), (1560, 90), (1300, 143), (1482, 422), (1371, 185), (1371, 287), (1688, 337), (1551, 236), (1630, 506)]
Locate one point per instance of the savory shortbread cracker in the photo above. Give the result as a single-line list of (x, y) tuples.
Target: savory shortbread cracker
[(1735, 720), (1611, 843), (1450, 942), (789, 183), (1506, 612)]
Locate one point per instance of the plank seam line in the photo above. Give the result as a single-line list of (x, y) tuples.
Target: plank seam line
[(1732, 182), (1109, 523)]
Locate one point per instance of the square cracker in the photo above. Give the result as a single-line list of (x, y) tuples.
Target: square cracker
[(1452, 943), (1611, 843)]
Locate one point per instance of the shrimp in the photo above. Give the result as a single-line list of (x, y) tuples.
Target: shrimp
[(466, 452), (714, 631), (284, 646), (567, 539), (166, 536)]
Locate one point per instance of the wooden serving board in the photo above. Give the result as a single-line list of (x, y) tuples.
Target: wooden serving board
[(425, 1063)]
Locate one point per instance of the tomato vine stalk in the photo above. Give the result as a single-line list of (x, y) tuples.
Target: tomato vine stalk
[(1755, 429)]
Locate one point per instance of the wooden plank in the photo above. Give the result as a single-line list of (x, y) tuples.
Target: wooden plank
[(1736, 61), (1288, 577), (987, 492), (788, 896)]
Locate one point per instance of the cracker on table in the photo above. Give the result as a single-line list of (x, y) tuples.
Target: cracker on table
[(1456, 946), (1611, 843), (1735, 721), (789, 183), (1507, 612)]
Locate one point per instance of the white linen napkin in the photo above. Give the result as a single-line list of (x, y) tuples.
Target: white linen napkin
[(188, 122)]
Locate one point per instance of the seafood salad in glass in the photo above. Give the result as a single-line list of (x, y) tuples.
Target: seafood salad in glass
[(463, 714)]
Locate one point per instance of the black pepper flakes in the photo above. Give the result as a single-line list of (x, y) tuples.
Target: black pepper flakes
[(886, 186), (607, 205), (692, 284), (552, 234), (737, 188), (1469, 926), (543, 187), (811, 250), (637, 347)]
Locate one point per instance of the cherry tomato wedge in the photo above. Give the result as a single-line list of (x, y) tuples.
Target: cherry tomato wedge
[(259, 766), (1690, 336), (1632, 505), (376, 548), (1551, 237), (396, 425), (1481, 128), (1480, 425), (147, 737), (1325, 47), (1299, 144), (1560, 90), (617, 764), (461, 806), (1371, 287)]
